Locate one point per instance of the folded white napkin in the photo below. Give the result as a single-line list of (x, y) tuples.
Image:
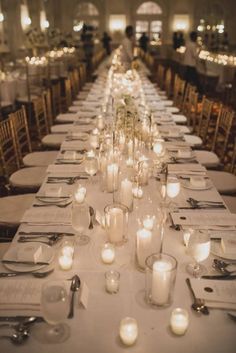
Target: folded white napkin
[(54, 168), (74, 145), (47, 215)]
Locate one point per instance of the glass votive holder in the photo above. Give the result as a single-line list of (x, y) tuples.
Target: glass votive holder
[(112, 279), (160, 279), (108, 253), (124, 195), (68, 248), (80, 193), (179, 321), (128, 331), (116, 223)]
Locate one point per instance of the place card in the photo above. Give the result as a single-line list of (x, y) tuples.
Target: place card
[(192, 218), (84, 295), (220, 294)]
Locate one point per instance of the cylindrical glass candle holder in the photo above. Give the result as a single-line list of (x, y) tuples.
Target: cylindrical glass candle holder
[(160, 279), (116, 223), (124, 195), (148, 240), (112, 279)]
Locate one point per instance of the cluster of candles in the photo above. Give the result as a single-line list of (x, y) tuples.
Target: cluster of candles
[(221, 59)]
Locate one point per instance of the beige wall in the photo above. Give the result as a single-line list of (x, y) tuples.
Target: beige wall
[(61, 14)]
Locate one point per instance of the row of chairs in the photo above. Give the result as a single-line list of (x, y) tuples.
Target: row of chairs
[(211, 121), (23, 168)]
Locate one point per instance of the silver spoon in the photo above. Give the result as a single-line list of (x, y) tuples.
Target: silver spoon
[(21, 326), (17, 337), (198, 304), (75, 285), (49, 242)]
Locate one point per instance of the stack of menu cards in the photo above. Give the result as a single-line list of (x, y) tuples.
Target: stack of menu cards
[(206, 220), (217, 294)]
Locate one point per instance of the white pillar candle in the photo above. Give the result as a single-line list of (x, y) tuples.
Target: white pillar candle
[(126, 193), (128, 331), (100, 122), (102, 164), (161, 282), (112, 177), (65, 262), (129, 162), (179, 321), (158, 148), (68, 250), (115, 227), (144, 240), (108, 253), (94, 140)]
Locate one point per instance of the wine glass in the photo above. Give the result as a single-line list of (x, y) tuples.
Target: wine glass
[(80, 221), (199, 249), (55, 307), (91, 165)]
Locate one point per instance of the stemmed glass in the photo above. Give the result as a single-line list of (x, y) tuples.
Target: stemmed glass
[(55, 307), (80, 221), (199, 249), (91, 165)]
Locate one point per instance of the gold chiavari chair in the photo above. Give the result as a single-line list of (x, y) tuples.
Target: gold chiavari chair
[(178, 92), (48, 106), (168, 83), (22, 180), (160, 76), (223, 131), (191, 108), (28, 158), (66, 100), (203, 119), (42, 125), (188, 90), (56, 98)]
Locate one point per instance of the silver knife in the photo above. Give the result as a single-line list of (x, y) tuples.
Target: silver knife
[(46, 233), (219, 277), (24, 262)]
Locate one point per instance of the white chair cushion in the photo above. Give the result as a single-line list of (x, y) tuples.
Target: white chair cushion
[(193, 140), (30, 178), (66, 118), (61, 128), (78, 103), (224, 182), (53, 140), (167, 102), (179, 119), (13, 208), (230, 202), (207, 158), (39, 159)]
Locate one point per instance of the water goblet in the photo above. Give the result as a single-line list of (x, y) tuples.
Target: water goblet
[(55, 306), (199, 249), (80, 221), (91, 165), (172, 188)]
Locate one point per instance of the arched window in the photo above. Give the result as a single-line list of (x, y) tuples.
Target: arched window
[(148, 20), (86, 13), (149, 8)]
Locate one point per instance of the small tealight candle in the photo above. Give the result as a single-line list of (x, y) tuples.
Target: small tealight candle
[(138, 192), (108, 253), (179, 321), (65, 262), (148, 222), (158, 148), (112, 281), (129, 162), (68, 248), (80, 194), (128, 331)]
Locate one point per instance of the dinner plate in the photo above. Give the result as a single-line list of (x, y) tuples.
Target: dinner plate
[(53, 199), (25, 252), (217, 250), (186, 184)]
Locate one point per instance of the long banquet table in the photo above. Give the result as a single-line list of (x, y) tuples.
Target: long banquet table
[(96, 328)]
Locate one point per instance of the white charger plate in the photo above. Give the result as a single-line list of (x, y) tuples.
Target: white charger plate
[(186, 184), (217, 250), (21, 251)]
